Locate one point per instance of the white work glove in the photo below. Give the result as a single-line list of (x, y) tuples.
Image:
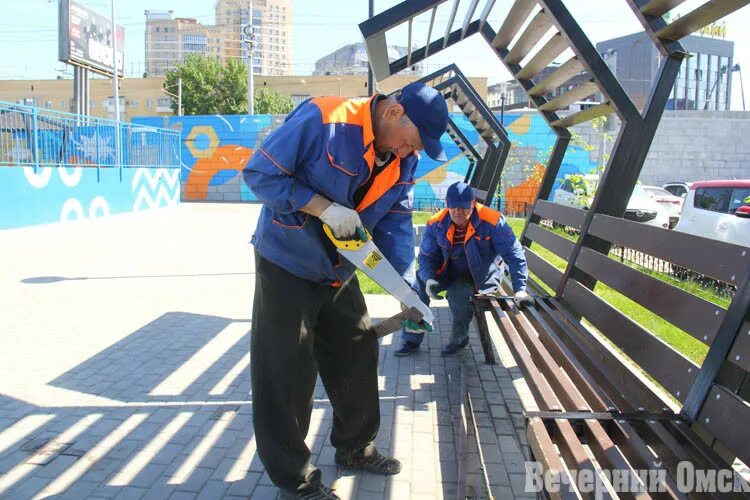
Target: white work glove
[(428, 285), (522, 298), (342, 221)]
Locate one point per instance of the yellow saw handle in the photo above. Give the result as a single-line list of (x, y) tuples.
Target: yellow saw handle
[(355, 244)]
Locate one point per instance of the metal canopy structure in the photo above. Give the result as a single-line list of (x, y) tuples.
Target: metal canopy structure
[(523, 45), (518, 39), (485, 164)]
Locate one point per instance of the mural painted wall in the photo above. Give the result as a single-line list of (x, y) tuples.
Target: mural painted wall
[(216, 148), (66, 194)]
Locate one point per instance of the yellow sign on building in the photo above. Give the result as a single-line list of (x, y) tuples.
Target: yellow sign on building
[(714, 30)]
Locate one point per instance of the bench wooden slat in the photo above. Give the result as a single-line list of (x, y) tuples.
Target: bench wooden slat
[(740, 353), (574, 454), (668, 367), (626, 437), (561, 214), (543, 392), (726, 416), (727, 262), (545, 271), (628, 392), (584, 382), (698, 317), (553, 242), (543, 450), (558, 379)]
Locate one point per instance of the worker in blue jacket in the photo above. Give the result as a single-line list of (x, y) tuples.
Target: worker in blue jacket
[(349, 164), (462, 252)]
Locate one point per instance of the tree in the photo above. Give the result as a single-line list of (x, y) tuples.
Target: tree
[(209, 87), (270, 102)]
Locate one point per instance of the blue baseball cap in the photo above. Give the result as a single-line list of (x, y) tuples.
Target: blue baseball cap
[(459, 195), (427, 110)]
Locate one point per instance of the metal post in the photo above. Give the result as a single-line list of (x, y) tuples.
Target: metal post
[(250, 47), (742, 87), (179, 97), (502, 109), (116, 90), (369, 66)]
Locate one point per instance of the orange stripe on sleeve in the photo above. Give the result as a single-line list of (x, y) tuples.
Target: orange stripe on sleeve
[(287, 172)]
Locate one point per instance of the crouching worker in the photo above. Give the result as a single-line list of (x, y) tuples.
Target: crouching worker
[(462, 252)]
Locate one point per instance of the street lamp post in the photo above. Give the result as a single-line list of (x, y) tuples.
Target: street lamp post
[(116, 90), (250, 42), (736, 67)]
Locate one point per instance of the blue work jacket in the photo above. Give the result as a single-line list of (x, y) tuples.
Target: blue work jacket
[(489, 241), (326, 147)]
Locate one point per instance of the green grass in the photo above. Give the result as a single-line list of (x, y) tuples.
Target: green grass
[(369, 286)]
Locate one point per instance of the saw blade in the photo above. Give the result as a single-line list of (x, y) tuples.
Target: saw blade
[(368, 259)]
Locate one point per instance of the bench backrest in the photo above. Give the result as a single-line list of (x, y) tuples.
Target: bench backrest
[(711, 381)]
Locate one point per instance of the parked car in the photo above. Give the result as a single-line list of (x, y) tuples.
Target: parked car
[(678, 188), (718, 210), (576, 194), (672, 203), (642, 207)]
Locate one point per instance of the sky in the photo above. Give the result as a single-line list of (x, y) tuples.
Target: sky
[(28, 33)]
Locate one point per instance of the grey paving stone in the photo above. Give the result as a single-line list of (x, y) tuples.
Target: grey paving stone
[(245, 486), (213, 490), (130, 493)]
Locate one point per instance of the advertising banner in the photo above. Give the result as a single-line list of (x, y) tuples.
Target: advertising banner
[(86, 39)]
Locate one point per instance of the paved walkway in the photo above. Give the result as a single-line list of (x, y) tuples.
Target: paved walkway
[(124, 372)]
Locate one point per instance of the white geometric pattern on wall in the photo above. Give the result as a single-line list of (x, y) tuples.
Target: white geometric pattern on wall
[(147, 180)]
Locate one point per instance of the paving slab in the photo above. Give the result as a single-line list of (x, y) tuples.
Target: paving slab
[(127, 338)]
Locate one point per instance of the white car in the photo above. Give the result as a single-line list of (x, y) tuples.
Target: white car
[(718, 210), (672, 203), (679, 189), (642, 207)]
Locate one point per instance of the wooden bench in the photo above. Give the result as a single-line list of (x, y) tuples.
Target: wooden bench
[(611, 395)]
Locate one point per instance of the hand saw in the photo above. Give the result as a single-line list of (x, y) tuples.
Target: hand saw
[(367, 258)]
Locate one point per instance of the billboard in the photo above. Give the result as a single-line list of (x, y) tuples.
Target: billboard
[(86, 39)]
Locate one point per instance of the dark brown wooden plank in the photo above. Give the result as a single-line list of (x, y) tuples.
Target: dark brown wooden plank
[(726, 416), (641, 457), (558, 379), (573, 453), (728, 262), (543, 394), (698, 317), (555, 243), (668, 367), (546, 272), (544, 451), (583, 381), (608, 455), (740, 353), (625, 389), (567, 216)]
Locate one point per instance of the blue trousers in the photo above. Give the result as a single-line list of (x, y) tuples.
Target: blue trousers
[(459, 294)]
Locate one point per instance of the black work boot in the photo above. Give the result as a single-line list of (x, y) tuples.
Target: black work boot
[(370, 460)]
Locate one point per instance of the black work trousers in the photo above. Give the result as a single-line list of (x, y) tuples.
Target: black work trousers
[(299, 329)]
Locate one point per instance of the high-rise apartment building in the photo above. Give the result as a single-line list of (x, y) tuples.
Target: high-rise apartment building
[(272, 32), (169, 40)]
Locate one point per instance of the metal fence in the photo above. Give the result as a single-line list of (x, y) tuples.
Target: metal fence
[(719, 289), (37, 137)]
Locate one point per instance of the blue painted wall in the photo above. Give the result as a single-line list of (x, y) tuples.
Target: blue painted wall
[(216, 148)]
